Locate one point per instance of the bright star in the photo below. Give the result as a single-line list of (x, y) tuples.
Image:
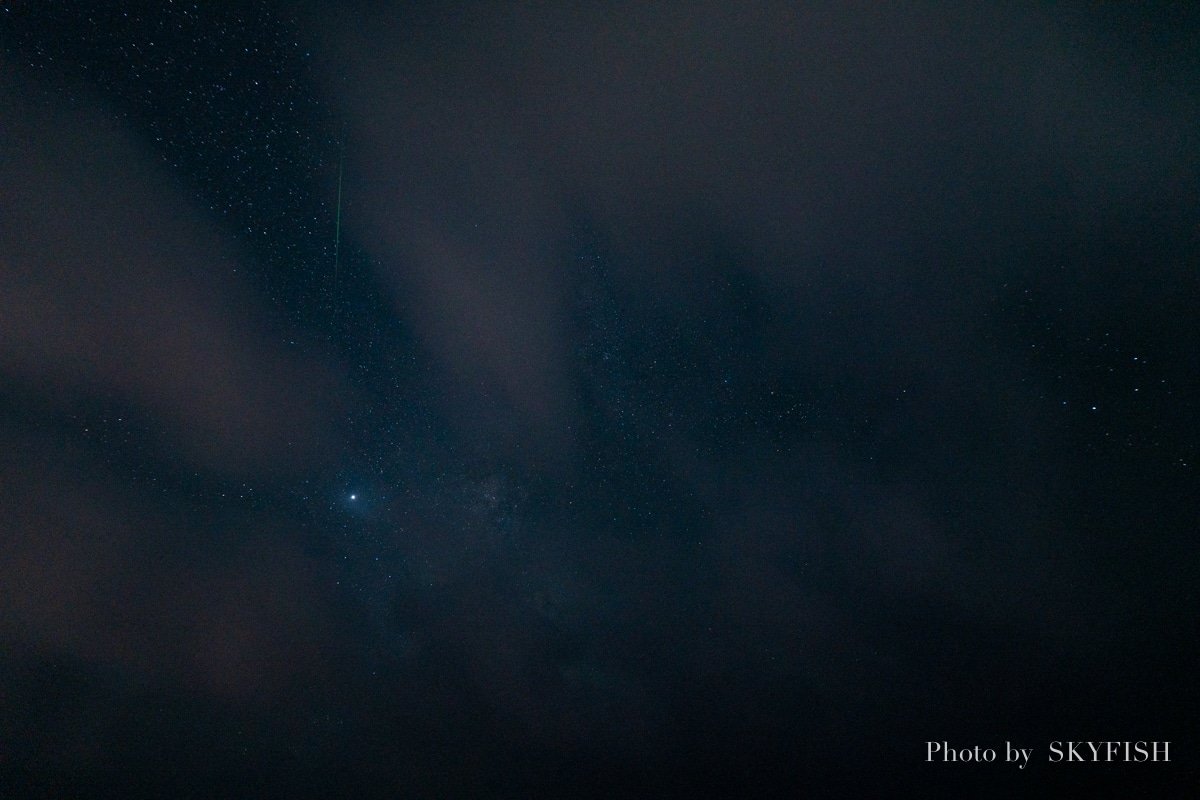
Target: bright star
[(353, 496)]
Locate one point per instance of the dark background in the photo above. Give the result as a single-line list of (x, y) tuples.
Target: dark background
[(625, 399)]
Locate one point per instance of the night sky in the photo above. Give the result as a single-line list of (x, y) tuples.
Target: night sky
[(604, 399)]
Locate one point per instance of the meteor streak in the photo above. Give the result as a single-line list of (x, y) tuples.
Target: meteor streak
[(337, 231)]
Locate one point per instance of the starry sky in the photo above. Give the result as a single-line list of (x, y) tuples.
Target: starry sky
[(616, 399)]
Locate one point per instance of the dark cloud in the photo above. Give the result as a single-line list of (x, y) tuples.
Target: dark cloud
[(109, 575), (893, 151), (737, 397), (134, 360), (115, 288), (877, 173)]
